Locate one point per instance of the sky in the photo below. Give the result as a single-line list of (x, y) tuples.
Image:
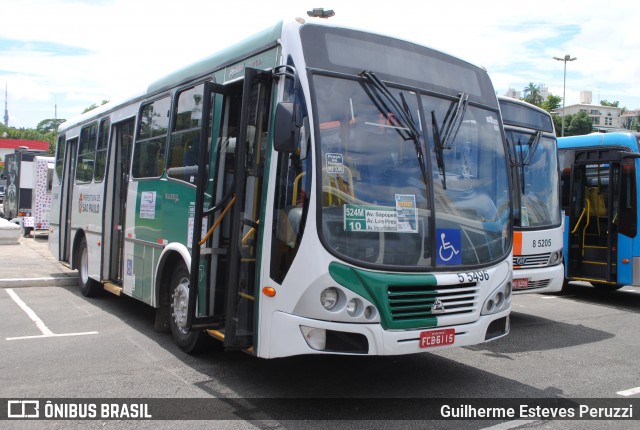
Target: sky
[(58, 57)]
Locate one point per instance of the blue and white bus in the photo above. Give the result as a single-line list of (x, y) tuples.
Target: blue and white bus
[(312, 189), (600, 200)]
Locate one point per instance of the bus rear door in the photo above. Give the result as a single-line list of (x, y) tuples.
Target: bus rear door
[(66, 198)]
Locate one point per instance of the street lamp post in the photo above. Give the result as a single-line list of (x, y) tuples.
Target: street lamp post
[(564, 84)]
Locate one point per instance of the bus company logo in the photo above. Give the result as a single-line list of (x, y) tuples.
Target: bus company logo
[(521, 261), (438, 307), (23, 409)]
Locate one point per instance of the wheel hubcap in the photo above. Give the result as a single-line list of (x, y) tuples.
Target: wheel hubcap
[(180, 304)]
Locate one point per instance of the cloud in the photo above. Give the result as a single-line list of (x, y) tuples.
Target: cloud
[(106, 49)]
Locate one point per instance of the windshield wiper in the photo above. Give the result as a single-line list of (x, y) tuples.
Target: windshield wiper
[(397, 113), (451, 125), (439, 149), (525, 159), (532, 148), (451, 129)]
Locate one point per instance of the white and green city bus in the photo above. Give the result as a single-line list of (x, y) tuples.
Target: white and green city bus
[(538, 227), (312, 189)]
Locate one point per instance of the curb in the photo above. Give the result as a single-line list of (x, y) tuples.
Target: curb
[(64, 281)]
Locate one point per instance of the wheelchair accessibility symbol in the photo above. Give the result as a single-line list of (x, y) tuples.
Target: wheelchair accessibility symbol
[(449, 246)]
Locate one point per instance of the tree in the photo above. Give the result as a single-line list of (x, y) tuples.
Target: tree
[(578, 124), (93, 106), (557, 123), (51, 124), (532, 94), (29, 134), (611, 104), (551, 103)]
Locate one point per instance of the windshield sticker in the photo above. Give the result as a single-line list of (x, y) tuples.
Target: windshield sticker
[(334, 162), (407, 213), (449, 243), (381, 218)]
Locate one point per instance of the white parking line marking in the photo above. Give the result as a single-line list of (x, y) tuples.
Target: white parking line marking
[(36, 319), (510, 425), (629, 392)]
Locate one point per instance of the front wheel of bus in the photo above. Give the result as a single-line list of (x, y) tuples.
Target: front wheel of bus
[(188, 341), (88, 287)]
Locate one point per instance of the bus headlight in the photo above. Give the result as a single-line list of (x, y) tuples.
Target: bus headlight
[(329, 298), (498, 301), (555, 258), (353, 307), (316, 338)]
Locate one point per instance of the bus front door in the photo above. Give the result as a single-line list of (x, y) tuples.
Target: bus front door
[(593, 222), (228, 210)]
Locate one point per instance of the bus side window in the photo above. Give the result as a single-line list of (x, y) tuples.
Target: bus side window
[(148, 153), (87, 153), (182, 162)]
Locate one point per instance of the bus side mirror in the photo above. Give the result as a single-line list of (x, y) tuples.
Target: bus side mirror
[(285, 136)]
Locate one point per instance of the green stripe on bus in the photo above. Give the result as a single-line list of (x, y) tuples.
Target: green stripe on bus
[(374, 286)]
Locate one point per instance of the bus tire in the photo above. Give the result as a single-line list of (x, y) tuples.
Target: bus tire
[(606, 287), (88, 286), (187, 340)]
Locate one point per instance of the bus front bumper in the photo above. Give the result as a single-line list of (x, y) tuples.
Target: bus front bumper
[(538, 280), (294, 335)]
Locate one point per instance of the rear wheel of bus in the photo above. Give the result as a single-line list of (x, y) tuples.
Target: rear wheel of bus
[(88, 286), (189, 341)]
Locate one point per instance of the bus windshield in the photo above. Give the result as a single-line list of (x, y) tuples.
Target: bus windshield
[(535, 159), (389, 197)]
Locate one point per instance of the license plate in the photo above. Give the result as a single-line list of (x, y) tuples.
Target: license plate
[(431, 338), (520, 283)]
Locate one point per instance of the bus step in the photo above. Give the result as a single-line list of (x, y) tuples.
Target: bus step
[(594, 269), (218, 334), (595, 253), (112, 288)]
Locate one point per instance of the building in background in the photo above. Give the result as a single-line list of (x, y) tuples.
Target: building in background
[(604, 118), (9, 146)]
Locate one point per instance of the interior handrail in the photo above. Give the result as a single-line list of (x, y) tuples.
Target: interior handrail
[(218, 221), (580, 219)]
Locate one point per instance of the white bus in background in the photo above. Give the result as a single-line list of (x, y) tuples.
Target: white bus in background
[(310, 190), (538, 228)]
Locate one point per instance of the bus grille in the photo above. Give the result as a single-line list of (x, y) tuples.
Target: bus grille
[(533, 285), (408, 302), (536, 260)]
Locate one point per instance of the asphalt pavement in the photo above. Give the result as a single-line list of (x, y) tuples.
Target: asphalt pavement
[(29, 263)]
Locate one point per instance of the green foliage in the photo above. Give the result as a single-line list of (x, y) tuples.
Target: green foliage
[(532, 94), (557, 123), (611, 104), (577, 124), (51, 124), (551, 103), (93, 106), (30, 134)]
